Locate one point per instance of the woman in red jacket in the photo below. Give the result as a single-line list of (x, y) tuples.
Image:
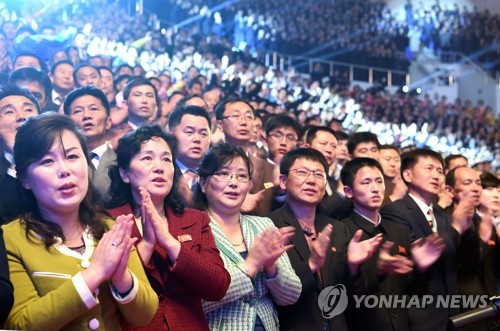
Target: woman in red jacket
[(176, 245)]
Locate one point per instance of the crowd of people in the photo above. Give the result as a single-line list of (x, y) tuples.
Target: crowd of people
[(213, 192), (363, 32)]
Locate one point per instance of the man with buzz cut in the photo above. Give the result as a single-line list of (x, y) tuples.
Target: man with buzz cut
[(389, 270), (89, 108), (142, 102), (87, 74), (422, 171), (191, 127)]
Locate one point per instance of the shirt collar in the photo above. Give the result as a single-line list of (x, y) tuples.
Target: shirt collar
[(369, 220), (183, 168), (132, 125), (422, 205), (11, 170), (99, 151)]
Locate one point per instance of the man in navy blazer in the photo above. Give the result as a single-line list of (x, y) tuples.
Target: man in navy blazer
[(422, 171)]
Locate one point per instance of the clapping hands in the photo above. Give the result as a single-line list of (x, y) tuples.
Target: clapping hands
[(110, 258), (360, 251), (266, 249)]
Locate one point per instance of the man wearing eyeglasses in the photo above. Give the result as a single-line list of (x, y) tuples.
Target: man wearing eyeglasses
[(282, 133), (322, 255), (235, 118)]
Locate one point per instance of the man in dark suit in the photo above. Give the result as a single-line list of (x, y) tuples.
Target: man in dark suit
[(235, 118), (37, 83), (16, 105), (321, 254), (480, 278), (89, 108), (334, 203), (387, 272), (191, 127), (422, 171)]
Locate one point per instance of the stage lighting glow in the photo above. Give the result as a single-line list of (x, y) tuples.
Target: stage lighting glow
[(406, 89), (419, 90)]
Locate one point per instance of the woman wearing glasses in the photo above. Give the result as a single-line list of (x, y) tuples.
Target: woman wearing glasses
[(176, 244), (251, 247)]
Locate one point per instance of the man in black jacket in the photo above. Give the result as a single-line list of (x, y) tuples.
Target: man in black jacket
[(16, 105), (388, 271), (422, 171), (322, 255)]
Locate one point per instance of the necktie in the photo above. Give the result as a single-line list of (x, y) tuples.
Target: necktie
[(94, 158), (191, 177), (431, 220)]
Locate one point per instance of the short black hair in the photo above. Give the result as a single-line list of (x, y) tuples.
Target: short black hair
[(194, 82), (409, 159), (301, 153), (58, 63), (221, 106), (313, 131), (86, 90), (382, 147), (139, 81), (84, 65), (361, 137), (175, 93), (488, 180), (29, 74), (351, 168), (10, 89), (175, 117), (449, 158), (341, 135), (281, 121), (42, 64), (182, 102), (120, 78), (123, 66)]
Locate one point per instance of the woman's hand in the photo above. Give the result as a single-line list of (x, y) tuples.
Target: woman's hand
[(121, 278), (266, 249), (108, 255), (159, 226), (146, 246)]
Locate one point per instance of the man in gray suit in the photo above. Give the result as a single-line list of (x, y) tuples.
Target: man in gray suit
[(89, 108)]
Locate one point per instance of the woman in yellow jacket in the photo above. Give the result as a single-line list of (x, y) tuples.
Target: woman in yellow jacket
[(70, 269)]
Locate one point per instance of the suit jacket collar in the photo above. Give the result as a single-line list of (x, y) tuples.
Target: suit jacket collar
[(418, 218), (4, 165), (108, 156), (298, 239)]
